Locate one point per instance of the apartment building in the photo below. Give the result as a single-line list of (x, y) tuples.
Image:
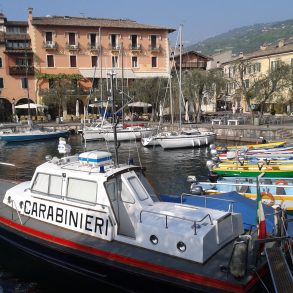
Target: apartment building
[(260, 62), (33, 51), (16, 70)]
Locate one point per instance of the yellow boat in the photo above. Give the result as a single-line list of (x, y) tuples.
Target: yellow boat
[(255, 146)]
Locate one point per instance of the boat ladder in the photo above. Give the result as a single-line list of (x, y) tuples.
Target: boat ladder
[(279, 269)]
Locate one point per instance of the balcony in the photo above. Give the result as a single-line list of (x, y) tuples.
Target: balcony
[(17, 49), (135, 47), (21, 70), (114, 47), (155, 48), (94, 47), (72, 47), (49, 45)]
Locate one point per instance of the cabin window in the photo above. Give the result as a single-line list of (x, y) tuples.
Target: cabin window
[(138, 188), (126, 195), (55, 187), (41, 183), (82, 190)]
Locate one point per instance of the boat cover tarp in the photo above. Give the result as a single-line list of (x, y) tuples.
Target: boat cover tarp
[(245, 206)]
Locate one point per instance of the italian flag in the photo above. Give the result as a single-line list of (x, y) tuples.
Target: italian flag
[(260, 216)]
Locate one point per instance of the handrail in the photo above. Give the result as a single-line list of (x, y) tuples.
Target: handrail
[(181, 218), (12, 201), (231, 202)]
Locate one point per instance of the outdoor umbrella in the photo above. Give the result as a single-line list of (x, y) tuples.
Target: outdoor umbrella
[(31, 105), (139, 105)]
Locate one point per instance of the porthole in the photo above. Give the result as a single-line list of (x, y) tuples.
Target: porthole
[(181, 246), (154, 239)]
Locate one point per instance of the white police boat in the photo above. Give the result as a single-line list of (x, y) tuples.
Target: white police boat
[(103, 220)]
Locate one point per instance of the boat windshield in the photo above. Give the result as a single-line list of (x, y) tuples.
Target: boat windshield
[(147, 186)]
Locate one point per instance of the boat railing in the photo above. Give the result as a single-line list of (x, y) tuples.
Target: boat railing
[(15, 207), (195, 222), (206, 198), (246, 184)]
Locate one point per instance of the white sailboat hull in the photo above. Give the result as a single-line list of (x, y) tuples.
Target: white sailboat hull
[(128, 134), (186, 141)]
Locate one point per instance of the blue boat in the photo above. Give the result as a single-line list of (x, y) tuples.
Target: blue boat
[(33, 135)]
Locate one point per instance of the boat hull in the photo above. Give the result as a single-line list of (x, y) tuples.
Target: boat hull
[(254, 173), (186, 141), (114, 263), (32, 137)]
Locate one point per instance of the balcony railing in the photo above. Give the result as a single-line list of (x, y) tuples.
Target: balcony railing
[(114, 47), (70, 92), (49, 45), (135, 47), (72, 47), (94, 47), (21, 70), (155, 48)]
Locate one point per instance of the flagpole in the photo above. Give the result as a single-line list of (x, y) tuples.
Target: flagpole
[(260, 216)]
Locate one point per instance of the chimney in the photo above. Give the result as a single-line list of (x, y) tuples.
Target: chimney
[(30, 13), (281, 43)]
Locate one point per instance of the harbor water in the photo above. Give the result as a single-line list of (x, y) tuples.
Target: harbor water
[(167, 172)]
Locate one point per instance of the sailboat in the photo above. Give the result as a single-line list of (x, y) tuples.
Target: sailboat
[(183, 138)]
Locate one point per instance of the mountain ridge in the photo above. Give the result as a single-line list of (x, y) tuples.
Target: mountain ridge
[(246, 39)]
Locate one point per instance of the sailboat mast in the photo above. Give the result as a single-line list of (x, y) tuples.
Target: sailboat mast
[(122, 77), (180, 73), (101, 63)]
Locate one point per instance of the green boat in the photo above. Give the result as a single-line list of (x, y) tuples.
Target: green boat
[(253, 172)]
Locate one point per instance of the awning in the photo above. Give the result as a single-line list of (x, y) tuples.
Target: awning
[(32, 106)]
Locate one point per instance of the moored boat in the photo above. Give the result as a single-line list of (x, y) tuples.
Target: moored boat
[(33, 135), (103, 220)]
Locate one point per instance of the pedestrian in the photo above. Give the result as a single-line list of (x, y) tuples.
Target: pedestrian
[(233, 109)]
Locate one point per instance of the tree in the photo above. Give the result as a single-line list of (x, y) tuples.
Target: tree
[(247, 81), (63, 90), (197, 84), (150, 90)]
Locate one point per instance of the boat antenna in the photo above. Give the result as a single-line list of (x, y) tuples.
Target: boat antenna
[(115, 119)]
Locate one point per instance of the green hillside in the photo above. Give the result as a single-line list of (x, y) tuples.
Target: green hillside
[(246, 39)]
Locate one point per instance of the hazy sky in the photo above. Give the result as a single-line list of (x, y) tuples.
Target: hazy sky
[(200, 18)]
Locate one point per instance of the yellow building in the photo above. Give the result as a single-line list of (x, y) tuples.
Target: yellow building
[(266, 59)]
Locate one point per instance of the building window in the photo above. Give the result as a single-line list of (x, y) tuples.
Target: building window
[(1, 83), (134, 62), (275, 65), (154, 62), (114, 41), (134, 44), (51, 83), (95, 83), (94, 61), (93, 41), (1, 62), (291, 62), (24, 83), (153, 41), (72, 61), (23, 62), (50, 60), (246, 82), (71, 39), (49, 37), (114, 61)]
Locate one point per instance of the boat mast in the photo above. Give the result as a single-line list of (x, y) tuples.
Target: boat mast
[(115, 120), (122, 86), (180, 73), (29, 120)]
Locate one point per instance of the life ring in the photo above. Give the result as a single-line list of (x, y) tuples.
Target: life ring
[(281, 182), (268, 197)]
